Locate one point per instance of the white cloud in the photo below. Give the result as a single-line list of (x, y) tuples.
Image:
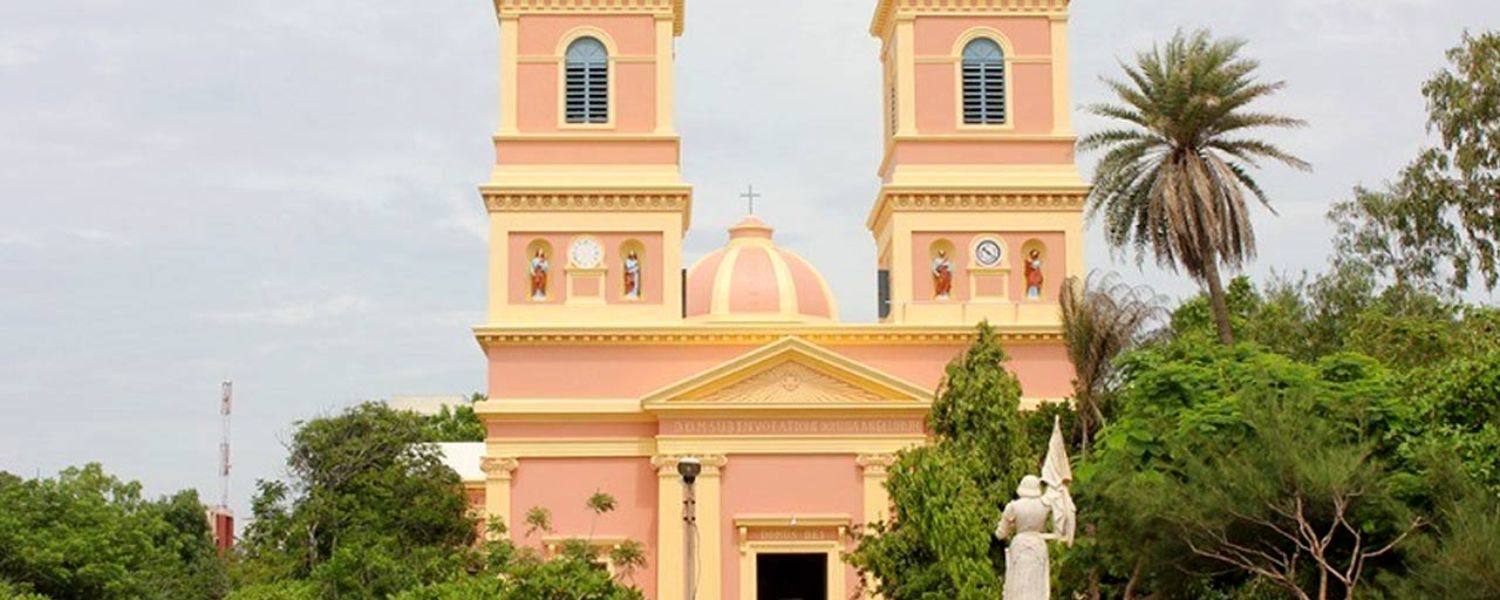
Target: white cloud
[(101, 237), (19, 239)]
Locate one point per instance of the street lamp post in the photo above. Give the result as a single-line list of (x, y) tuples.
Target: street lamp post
[(689, 468)]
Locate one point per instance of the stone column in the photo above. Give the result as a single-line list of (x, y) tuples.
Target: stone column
[(498, 472)]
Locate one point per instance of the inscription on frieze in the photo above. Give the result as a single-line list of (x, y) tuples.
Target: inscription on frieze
[(793, 534)]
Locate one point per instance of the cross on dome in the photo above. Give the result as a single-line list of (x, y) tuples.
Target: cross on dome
[(750, 197)]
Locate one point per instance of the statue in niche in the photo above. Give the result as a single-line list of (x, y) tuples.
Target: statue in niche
[(942, 276), (632, 276), (538, 271), (1034, 278), (1025, 524)]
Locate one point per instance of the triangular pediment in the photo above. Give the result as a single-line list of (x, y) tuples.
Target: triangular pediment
[(790, 373)]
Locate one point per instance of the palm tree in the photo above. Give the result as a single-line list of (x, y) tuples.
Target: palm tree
[(1176, 174), (1101, 318)]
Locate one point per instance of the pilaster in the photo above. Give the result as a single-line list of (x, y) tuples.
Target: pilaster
[(498, 473), (875, 469), (1062, 96), (669, 498), (711, 526)]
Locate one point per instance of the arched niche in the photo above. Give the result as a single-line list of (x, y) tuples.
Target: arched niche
[(942, 268), (1034, 280), (539, 265), (634, 270)]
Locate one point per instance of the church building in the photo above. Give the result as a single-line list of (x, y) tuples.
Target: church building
[(611, 359)]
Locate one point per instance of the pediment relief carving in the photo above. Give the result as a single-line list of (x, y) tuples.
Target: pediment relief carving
[(786, 383), (789, 374)]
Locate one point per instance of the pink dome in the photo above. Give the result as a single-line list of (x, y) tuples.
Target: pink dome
[(754, 280)]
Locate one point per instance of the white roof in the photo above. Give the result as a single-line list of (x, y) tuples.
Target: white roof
[(464, 458)]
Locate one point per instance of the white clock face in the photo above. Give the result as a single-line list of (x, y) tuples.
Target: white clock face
[(586, 253), (988, 253)]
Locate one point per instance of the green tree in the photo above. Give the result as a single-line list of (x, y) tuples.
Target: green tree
[(1460, 416), (1400, 232), (1437, 225), (574, 575), (1461, 560), (1208, 439), (456, 424), (1295, 504), (1175, 178), (575, 572), (370, 509), (947, 495), (86, 534)]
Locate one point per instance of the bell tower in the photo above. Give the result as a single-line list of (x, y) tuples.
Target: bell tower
[(586, 201), (980, 211)]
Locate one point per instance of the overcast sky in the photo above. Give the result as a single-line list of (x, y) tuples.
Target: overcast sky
[(282, 191)]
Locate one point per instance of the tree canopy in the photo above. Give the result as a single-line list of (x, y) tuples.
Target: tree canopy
[(371, 511), (87, 534)]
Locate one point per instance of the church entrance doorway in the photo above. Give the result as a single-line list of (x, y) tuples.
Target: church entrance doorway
[(791, 576)]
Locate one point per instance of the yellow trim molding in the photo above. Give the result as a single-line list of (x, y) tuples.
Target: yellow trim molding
[(964, 201), (888, 12), (830, 335), (663, 9), (511, 200), (572, 447)]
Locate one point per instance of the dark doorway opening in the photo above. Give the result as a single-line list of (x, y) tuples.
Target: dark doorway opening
[(791, 576)]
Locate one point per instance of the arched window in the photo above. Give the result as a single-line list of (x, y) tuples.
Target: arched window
[(587, 82), (984, 83)]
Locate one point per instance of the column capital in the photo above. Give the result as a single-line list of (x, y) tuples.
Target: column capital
[(499, 467), (666, 464), (875, 465)]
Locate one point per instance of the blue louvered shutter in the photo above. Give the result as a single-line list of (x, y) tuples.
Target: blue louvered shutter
[(984, 83), (587, 85)]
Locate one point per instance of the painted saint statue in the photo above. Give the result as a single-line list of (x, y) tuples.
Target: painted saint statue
[(1034, 277), (1034, 519), (632, 276), (942, 275), (538, 272)]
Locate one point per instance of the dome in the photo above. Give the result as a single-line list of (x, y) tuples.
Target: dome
[(754, 280)]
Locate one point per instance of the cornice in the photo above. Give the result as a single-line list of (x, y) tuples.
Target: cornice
[(891, 201), (671, 9), (835, 335), (888, 11), (643, 200)]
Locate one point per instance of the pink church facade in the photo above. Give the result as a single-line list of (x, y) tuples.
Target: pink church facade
[(611, 359)]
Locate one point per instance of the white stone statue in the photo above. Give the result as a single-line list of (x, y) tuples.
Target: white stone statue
[(1025, 523)]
